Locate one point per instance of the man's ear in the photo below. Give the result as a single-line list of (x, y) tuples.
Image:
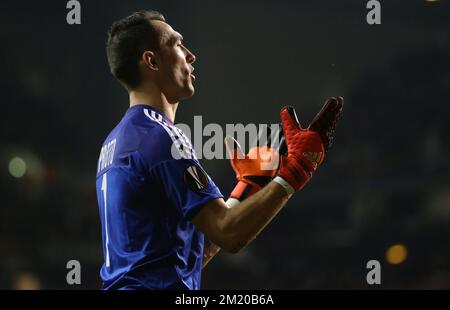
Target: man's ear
[(149, 59)]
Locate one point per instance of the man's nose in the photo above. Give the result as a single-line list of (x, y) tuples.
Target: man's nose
[(190, 57)]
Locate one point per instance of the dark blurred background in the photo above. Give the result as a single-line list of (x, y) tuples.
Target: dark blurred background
[(383, 194)]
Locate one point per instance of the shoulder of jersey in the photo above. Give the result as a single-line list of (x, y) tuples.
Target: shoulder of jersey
[(168, 139)]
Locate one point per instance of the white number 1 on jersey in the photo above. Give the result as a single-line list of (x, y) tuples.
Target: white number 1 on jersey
[(104, 190)]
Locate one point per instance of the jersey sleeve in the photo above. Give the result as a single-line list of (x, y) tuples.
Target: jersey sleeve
[(186, 185)]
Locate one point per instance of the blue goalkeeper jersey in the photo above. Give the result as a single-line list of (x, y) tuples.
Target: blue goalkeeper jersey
[(149, 186)]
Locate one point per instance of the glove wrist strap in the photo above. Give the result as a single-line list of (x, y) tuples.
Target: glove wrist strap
[(287, 187), (231, 202), (244, 189)]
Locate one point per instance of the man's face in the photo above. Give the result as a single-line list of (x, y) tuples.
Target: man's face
[(175, 76)]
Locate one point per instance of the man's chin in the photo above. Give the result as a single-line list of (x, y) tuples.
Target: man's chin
[(192, 91), (189, 93)]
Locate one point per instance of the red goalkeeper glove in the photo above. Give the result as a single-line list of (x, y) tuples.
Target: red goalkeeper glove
[(306, 148), (254, 170)]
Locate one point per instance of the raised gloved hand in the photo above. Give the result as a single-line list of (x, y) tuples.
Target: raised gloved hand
[(306, 148), (254, 170)]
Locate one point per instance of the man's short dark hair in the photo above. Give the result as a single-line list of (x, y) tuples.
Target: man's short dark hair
[(128, 38)]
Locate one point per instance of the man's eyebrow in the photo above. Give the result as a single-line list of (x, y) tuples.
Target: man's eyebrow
[(175, 38)]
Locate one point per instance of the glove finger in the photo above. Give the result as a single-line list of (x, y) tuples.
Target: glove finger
[(325, 121), (289, 122), (330, 110), (233, 148)]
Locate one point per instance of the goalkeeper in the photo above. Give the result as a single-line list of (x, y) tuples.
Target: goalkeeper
[(163, 218)]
